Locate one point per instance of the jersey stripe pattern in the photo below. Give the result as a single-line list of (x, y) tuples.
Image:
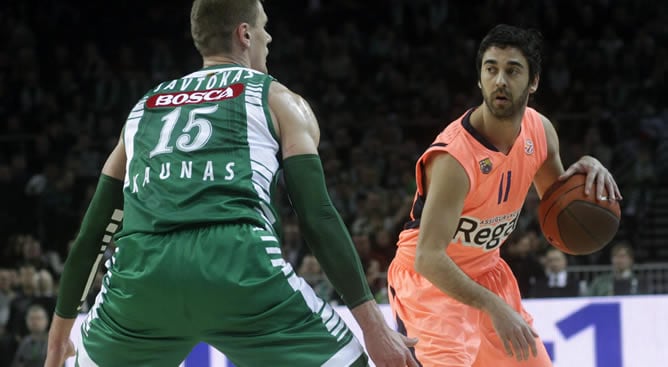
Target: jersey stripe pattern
[(201, 150)]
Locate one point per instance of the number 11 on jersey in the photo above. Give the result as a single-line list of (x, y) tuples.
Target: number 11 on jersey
[(503, 191)]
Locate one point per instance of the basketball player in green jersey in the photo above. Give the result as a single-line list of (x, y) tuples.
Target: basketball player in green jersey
[(198, 256)]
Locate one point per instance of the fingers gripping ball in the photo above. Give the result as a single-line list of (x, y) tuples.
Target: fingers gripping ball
[(575, 223)]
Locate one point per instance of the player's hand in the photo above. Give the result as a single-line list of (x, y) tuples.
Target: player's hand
[(606, 187), (59, 346), (58, 352), (388, 348), (518, 338)]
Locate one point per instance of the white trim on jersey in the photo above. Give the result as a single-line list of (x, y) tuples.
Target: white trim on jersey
[(131, 127), (263, 147), (204, 73)]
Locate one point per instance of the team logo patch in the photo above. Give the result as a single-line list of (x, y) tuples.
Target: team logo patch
[(194, 97), (528, 147), (486, 165)]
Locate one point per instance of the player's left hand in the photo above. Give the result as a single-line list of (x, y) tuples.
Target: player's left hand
[(606, 187), (388, 348)]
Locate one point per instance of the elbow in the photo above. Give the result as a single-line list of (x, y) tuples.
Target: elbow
[(429, 261), (421, 263)]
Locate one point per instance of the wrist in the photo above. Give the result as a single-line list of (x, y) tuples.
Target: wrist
[(491, 303), (60, 329), (369, 317)]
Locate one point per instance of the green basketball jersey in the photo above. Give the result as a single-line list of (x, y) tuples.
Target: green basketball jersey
[(201, 149)]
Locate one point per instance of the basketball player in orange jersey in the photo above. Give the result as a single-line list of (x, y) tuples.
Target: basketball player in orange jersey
[(448, 284)]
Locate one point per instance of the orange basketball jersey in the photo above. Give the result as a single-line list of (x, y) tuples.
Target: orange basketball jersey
[(499, 185)]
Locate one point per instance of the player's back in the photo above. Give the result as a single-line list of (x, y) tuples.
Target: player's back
[(201, 149)]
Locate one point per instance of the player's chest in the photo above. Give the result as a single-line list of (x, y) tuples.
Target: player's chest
[(502, 182)]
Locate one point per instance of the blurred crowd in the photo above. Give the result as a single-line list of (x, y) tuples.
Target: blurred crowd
[(384, 77)]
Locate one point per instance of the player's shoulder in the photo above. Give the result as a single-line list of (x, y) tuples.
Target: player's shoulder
[(452, 141), (454, 132), (279, 94), (277, 87), (540, 120)]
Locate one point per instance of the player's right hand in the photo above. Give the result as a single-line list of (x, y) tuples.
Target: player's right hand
[(517, 336), (389, 348)]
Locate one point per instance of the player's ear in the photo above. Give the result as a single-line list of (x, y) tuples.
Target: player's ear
[(242, 34), (533, 87)]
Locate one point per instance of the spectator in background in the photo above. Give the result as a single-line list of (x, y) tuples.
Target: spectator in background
[(642, 179), (371, 265), (520, 254), (622, 280), (383, 247), (32, 349), (6, 297), (31, 250), (8, 342), (313, 275), (556, 282), (45, 294), (25, 296), (292, 243)]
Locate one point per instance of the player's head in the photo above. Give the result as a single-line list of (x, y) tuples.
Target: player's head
[(225, 27), (509, 64)]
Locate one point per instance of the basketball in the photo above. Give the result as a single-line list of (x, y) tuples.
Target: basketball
[(575, 223)]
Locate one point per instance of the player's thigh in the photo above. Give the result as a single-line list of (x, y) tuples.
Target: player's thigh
[(301, 330), (138, 317), (260, 313), (446, 328), (501, 281), (491, 353), (104, 345)]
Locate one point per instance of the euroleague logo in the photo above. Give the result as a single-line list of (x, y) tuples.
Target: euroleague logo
[(194, 97), (528, 147)]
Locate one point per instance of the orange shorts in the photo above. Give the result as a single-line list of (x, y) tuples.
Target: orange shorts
[(451, 333)]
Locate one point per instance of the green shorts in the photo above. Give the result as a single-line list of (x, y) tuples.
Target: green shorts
[(224, 285)]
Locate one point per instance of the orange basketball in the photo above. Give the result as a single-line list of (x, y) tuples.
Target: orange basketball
[(575, 223)]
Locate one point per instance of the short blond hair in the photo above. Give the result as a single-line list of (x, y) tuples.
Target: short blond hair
[(212, 23)]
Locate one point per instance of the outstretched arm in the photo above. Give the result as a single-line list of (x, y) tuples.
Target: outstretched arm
[(85, 255), (323, 229)]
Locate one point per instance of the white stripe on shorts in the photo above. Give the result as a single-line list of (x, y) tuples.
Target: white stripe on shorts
[(347, 355), (82, 358), (273, 250)]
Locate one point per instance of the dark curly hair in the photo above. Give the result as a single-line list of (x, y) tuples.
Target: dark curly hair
[(529, 41)]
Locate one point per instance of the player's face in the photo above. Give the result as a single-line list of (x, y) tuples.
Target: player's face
[(555, 261), (260, 40), (622, 261), (504, 80)]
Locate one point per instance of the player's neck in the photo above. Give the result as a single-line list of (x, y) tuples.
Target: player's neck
[(225, 59), (499, 132)]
